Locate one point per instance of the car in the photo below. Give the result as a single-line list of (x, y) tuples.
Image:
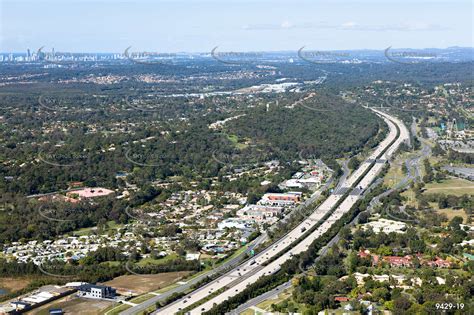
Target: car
[(203, 309)]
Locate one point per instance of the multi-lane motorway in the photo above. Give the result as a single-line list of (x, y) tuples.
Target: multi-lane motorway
[(270, 259)]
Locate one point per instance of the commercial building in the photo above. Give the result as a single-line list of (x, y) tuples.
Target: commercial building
[(234, 223), (96, 291), (193, 256), (259, 212), (281, 199), (386, 226)]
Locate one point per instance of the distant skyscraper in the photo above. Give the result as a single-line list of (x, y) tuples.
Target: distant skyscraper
[(28, 53)]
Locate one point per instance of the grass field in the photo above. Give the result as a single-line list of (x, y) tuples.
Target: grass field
[(451, 186), (266, 305), (239, 143), (141, 298), (166, 289), (451, 213), (411, 200), (159, 261), (142, 284), (74, 305), (115, 309), (395, 174), (111, 225)]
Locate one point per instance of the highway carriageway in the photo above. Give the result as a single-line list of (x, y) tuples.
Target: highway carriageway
[(304, 245), (237, 279)]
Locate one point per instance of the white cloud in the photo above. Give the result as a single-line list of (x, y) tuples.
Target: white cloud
[(347, 26), (286, 24)]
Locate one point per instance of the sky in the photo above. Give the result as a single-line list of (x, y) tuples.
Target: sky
[(233, 25)]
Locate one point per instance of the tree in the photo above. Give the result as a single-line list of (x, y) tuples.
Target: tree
[(253, 197), (353, 163), (345, 233), (401, 305), (404, 168), (455, 222), (381, 295), (363, 217), (417, 246)]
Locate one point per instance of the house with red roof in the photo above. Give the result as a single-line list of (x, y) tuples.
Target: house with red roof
[(396, 261), (439, 263), (341, 299)]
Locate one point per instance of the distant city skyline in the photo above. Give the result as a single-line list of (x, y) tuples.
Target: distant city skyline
[(198, 26)]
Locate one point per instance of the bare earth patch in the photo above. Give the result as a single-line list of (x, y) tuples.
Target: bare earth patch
[(74, 305), (142, 284), (14, 284)]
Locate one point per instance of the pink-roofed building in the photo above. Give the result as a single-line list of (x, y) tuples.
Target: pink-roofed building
[(440, 263), (90, 192), (364, 253), (396, 261)]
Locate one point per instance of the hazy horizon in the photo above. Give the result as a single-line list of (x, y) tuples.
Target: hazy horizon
[(106, 26), (45, 49)]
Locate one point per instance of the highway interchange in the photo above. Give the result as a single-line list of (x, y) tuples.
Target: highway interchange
[(273, 257)]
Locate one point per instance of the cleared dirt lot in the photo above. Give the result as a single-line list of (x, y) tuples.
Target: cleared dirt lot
[(142, 284), (14, 284), (74, 305)]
